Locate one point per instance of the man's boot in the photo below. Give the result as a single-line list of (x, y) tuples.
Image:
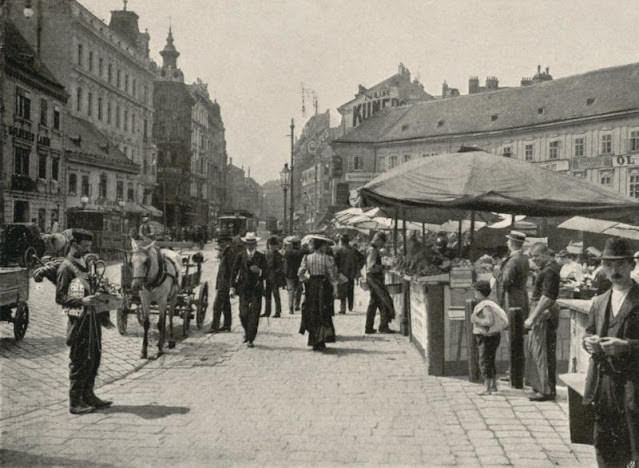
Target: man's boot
[(91, 397), (77, 405)]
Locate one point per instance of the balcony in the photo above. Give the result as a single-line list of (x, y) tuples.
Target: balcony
[(22, 183)]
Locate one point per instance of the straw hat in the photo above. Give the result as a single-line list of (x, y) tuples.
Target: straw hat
[(250, 238)]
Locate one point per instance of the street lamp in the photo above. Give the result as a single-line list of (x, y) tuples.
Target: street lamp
[(285, 182)]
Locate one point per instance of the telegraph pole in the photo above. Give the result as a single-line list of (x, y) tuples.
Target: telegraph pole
[(292, 215)]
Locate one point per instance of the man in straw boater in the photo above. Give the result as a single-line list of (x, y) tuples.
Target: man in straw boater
[(84, 334), (247, 279), (222, 303), (612, 381)]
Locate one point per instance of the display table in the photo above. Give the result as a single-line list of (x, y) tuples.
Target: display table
[(580, 417)]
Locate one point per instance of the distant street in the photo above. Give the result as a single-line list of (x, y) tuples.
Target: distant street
[(367, 401)]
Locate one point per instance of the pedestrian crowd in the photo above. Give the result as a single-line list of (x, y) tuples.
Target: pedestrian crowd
[(317, 271)]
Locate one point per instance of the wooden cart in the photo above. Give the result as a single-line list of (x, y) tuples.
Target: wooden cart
[(14, 294)]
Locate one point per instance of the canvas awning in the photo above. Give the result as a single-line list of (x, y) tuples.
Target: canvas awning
[(600, 226), (151, 210)]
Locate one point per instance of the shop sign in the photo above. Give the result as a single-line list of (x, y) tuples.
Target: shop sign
[(592, 163), (625, 160), (374, 101), (359, 176), (316, 142)]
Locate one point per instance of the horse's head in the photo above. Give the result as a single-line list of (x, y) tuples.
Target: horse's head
[(141, 263)]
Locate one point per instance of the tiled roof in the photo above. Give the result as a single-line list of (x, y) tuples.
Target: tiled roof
[(22, 60), (93, 148), (591, 94)]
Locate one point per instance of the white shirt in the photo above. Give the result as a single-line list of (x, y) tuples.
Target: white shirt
[(616, 300), (572, 270)]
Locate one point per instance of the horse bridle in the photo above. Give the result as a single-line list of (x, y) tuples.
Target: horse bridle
[(161, 275)]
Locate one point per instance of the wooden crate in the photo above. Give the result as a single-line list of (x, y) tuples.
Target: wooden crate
[(14, 285)]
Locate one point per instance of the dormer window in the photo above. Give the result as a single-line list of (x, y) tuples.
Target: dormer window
[(540, 110), (440, 123), (590, 101), (494, 117)]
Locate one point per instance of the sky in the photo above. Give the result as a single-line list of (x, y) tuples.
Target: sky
[(254, 54)]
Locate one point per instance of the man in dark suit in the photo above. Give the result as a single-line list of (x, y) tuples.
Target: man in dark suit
[(222, 303), (514, 274), (292, 259), (612, 340), (274, 277), (247, 279), (348, 264)]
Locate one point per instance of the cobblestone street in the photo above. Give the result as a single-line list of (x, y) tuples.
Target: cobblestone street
[(211, 401), (34, 370)]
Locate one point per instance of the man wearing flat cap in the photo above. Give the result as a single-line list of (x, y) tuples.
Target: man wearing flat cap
[(612, 381), (348, 264), (514, 274), (84, 335), (247, 279)]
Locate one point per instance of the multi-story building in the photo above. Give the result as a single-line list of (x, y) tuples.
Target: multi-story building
[(109, 76), (243, 193), (585, 125), (394, 91), (31, 137), (189, 134)]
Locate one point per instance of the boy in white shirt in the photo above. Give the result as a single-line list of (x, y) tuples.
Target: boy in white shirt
[(488, 321)]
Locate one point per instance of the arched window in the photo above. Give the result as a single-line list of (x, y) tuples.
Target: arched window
[(103, 185), (73, 184)]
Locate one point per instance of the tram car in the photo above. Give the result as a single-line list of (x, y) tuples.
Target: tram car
[(236, 223), (107, 228)]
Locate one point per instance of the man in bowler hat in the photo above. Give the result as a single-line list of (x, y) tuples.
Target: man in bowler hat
[(612, 381), (222, 303)]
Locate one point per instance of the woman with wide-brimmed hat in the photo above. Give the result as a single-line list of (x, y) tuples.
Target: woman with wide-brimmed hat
[(319, 274)]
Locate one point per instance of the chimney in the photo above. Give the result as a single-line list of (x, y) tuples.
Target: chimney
[(125, 23), (547, 70), (473, 85), (492, 82), (444, 89), (538, 68)]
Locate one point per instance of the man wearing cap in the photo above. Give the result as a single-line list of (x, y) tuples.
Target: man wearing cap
[(542, 323), (292, 260), (222, 303), (348, 264), (145, 231), (612, 381), (247, 279), (514, 274), (84, 335), (379, 296)]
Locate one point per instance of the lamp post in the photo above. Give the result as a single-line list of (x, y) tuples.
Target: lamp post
[(292, 220), (284, 183)]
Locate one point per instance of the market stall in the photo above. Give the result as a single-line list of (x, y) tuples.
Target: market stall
[(460, 186)]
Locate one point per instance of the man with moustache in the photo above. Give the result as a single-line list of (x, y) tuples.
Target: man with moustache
[(612, 381)]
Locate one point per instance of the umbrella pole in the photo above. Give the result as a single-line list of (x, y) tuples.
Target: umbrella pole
[(423, 232), (404, 229), (472, 234), (459, 239), (395, 232)]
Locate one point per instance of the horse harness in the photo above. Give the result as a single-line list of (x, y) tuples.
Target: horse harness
[(162, 273)]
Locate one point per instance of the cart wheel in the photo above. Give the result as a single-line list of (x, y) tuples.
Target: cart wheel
[(186, 319), (202, 304), (29, 257), (21, 321), (121, 319)]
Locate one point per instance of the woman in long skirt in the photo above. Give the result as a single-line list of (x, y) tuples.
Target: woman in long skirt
[(319, 275)]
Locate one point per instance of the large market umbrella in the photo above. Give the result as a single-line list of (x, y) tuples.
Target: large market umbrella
[(481, 181)]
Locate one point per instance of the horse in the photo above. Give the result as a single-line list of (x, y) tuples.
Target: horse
[(157, 278)]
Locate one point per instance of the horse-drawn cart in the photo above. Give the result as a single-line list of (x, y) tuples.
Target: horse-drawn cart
[(190, 303), (14, 294)]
